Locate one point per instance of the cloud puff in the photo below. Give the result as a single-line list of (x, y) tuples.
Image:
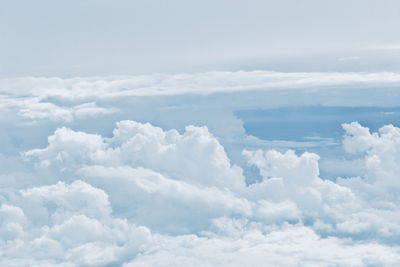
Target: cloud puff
[(183, 157), (34, 108), (382, 153), (65, 224)]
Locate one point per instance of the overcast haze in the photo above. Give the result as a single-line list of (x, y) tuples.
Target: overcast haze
[(103, 37)]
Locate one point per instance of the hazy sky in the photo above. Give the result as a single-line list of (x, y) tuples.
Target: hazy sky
[(104, 37)]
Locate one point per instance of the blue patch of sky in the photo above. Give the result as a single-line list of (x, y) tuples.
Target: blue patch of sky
[(313, 123), (316, 124)]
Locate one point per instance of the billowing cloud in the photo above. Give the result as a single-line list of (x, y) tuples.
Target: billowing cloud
[(65, 224), (380, 152), (145, 196), (197, 204), (180, 156)]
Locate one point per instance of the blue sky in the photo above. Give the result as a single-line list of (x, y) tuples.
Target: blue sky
[(212, 133)]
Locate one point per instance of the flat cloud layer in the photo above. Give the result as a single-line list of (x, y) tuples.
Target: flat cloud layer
[(198, 83), (149, 197), (57, 99)]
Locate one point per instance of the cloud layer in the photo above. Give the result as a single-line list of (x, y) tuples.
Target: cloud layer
[(76, 189), (149, 197), (57, 99)]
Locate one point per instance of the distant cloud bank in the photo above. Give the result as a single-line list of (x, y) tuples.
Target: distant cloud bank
[(57, 99)]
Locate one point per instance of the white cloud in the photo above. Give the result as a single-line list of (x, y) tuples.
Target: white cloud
[(33, 108), (382, 153), (165, 204), (180, 156), (198, 83), (149, 197), (290, 246), (57, 224), (189, 170), (65, 100)]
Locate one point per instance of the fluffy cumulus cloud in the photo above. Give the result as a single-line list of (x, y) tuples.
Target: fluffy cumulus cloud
[(382, 153), (65, 224), (195, 156), (145, 196)]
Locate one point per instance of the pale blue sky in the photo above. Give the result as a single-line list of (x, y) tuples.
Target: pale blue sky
[(103, 37)]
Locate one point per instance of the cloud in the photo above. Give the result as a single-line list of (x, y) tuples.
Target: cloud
[(198, 83), (381, 150), (65, 100), (165, 204), (192, 170), (341, 206), (180, 156), (35, 109), (288, 246), (145, 196), (65, 224)]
